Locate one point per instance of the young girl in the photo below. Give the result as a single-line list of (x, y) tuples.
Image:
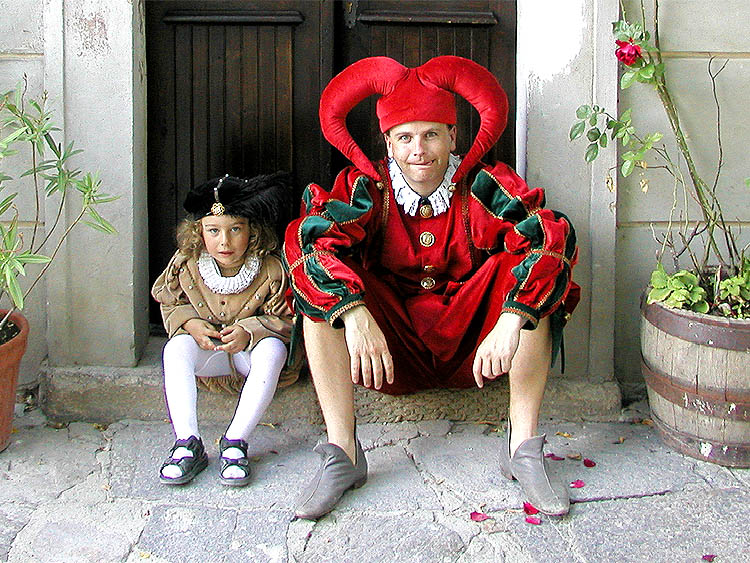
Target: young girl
[(222, 302)]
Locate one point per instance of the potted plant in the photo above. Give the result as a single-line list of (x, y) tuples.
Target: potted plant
[(695, 321), (27, 130)]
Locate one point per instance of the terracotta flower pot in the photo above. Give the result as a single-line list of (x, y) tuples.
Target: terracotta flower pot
[(697, 372), (10, 358)]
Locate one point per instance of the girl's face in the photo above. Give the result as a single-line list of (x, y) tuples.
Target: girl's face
[(225, 238)]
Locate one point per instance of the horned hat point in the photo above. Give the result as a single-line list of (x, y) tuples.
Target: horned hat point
[(424, 93)]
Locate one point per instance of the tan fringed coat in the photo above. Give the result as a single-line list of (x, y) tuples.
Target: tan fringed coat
[(261, 309)]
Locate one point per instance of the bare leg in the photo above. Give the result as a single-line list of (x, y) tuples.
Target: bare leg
[(328, 358), (528, 377)]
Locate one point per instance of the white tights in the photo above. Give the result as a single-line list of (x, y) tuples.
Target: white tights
[(184, 360)]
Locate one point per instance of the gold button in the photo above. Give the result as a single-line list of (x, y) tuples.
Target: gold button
[(428, 283), (429, 268), (426, 211), (427, 239)]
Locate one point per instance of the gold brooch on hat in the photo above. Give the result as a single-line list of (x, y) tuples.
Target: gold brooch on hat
[(217, 208)]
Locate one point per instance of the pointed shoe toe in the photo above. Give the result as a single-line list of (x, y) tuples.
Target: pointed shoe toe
[(336, 475), (529, 467)]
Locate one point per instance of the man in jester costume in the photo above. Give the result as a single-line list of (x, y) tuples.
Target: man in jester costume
[(427, 270)]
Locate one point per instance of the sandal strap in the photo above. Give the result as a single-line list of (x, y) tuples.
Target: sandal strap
[(193, 443), (225, 443)]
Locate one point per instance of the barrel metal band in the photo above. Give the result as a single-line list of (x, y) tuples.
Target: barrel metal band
[(709, 402), (708, 330)]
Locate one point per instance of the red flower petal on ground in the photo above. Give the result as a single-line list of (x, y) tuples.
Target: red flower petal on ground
[(577, 484), (554, 457), (529, 509), (708, 557), (589, 463), (627, 52), (479, 516), (533, 520)]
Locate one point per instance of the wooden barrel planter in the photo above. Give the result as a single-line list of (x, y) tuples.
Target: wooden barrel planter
[(697, 372)]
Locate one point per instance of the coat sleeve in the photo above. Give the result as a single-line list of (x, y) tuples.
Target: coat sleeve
[(275, 319), (175, 307), (333, 222), (515, 220)]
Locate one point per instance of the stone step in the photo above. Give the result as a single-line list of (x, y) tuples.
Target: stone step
[(106, 394)]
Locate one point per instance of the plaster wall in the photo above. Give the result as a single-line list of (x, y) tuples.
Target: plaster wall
[(21, 53), (94, 68), (552, 84), (691, 32)]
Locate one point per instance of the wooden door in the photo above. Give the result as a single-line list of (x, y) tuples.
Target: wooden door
[(233, 86)]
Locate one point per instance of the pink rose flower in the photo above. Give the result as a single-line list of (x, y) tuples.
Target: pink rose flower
[(627, 52)]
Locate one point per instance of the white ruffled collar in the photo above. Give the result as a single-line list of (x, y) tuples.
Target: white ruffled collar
[(209, 271), (409, 200)]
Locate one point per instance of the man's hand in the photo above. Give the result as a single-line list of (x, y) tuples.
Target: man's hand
[(495, 353), (235, 339), (202, 332), (368, 350)]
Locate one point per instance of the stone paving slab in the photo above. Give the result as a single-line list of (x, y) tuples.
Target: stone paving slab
[(84, 493)]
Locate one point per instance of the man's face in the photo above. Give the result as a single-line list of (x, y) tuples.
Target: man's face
[(421, 149)]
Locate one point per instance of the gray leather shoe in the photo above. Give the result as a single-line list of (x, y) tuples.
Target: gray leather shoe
[(529, 467), (337, 474)]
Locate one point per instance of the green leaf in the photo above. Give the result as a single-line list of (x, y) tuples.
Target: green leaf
[(625, 138), (659, 277), (5, 204), (28, 258), (658, 294), (627, 168), (700, 307), (14, 289), (593, 134), (675, 283), (592, 120), (630, 155), (591, 152), (627, 79), (646, 73), (577, 130), (603, 141), (583, 112)]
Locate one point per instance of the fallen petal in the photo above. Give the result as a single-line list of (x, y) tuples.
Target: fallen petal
[(620, 440), (564, 434), (574, 456), (529, 509), (708, 557), (554, 457), (647, 422), (533, 520), (577, 484), (479, 516), (589, 463)]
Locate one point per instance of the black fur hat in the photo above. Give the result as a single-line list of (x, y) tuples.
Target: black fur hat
[(262, 199)]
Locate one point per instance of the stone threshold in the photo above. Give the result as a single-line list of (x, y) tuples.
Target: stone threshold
[(104, 395)]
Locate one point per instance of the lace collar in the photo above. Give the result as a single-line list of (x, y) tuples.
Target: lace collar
[(209, 271), (409, 200)]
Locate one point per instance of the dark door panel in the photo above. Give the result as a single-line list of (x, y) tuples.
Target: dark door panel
[(233, 86)]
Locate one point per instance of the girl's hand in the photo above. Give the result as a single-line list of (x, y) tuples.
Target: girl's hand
[(202, 332), (235, 339)]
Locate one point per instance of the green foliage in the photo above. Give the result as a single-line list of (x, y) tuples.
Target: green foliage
[(26, 128), (687, 289), (680, 290), (734, 293)]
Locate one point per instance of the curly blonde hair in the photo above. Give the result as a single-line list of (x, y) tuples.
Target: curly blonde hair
[(190, 238)]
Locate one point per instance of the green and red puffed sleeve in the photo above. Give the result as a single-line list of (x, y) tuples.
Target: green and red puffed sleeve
[(332, 223), (512, 218)]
